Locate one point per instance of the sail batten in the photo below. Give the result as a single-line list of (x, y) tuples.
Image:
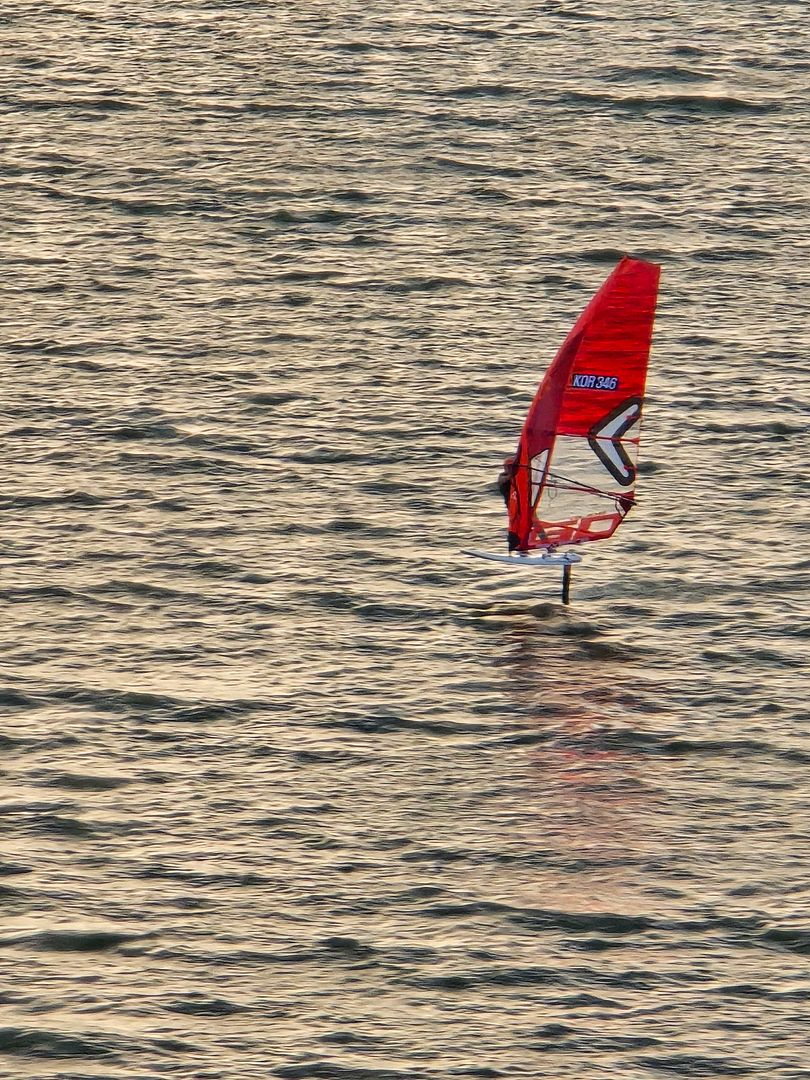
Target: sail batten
[(579, 445)]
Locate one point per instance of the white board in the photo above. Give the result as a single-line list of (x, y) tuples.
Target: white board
[(558, 558)]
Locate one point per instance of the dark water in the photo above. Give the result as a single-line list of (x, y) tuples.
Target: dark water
[(290, 788)]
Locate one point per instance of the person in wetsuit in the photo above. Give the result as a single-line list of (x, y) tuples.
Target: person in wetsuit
[(505, 478)]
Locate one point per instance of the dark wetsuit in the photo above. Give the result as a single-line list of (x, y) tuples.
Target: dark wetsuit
[(505, 479)]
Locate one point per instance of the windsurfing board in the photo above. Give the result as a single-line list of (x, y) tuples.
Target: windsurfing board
[(557, 558)]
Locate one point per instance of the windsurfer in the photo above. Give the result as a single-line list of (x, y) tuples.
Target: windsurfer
[(505, 478)]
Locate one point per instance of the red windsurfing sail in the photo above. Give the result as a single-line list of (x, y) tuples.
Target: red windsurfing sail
[(575, 466)]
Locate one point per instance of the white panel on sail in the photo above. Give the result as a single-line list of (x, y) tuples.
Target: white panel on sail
[(538, 467), (578, 483)]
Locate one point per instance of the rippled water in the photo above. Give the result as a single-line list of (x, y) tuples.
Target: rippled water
[(291, 788)]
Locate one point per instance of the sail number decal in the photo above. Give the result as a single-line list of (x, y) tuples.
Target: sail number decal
[(594, 382)]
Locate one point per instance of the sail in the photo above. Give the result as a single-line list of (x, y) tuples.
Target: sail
[(575, 467)]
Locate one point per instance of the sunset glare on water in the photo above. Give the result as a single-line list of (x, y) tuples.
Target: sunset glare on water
[(290, 786)]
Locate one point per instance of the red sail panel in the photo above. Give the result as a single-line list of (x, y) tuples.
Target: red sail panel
[(574, 474)]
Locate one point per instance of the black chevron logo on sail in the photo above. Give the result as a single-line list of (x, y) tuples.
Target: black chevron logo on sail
[(605, 437)]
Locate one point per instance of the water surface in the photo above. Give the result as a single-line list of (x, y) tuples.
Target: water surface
[(291, 788)]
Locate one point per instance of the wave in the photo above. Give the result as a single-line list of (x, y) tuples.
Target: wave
[(68, 498), (107, 104), (326, 1070), (36, 1042), (703, 104), (41, 1043), (179, 709), (482, 90), (71, 940)]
